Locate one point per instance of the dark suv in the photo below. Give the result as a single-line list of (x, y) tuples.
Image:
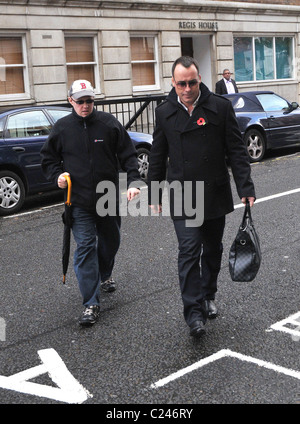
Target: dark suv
[(23, 132)]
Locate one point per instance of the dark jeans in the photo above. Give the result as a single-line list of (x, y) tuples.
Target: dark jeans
[(98, 240), (199, 263)]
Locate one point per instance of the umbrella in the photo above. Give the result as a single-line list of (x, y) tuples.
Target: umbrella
[(67, 220)]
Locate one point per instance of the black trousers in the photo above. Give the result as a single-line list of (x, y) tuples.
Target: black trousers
[(199, 263)]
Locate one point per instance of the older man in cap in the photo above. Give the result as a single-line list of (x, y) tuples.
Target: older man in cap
[(87, 145)]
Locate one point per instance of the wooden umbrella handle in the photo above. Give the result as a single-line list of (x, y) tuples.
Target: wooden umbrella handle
[(68, 178)]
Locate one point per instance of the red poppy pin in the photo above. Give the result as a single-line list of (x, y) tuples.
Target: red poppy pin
[(201, 121)]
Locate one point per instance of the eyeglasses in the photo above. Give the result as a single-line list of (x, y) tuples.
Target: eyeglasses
[(183, 84), (81, 102)]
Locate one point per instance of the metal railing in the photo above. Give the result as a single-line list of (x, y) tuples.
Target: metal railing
[(135, 114)]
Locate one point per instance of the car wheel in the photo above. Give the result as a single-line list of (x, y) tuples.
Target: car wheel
[(12, 193), (256, 145), (143, 162)]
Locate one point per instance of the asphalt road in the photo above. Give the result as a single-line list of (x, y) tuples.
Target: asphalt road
[(140, 351)]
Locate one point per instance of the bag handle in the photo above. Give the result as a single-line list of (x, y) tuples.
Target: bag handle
[(247, 215)]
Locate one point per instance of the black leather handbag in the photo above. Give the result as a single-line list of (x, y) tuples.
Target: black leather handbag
[(245, 253)]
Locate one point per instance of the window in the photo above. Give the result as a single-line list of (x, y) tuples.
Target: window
[(243, 103), (13, 71), (144, 62), (272, 102), (81, 58), (27, 124), (263, 58), (57, 114), (284, 50), (239, 104)]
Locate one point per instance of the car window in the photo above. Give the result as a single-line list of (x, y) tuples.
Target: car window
[(57, 114), (242, 103), (2, 121), (27, 124), (272, 102), (239, 103)]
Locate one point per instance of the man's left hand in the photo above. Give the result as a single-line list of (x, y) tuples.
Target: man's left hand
[(132, 193), (251, 200)]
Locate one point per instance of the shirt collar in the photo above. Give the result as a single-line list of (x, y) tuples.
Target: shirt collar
[(194, 104)]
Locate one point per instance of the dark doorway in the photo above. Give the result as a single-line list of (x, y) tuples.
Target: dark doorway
[(187, 47)]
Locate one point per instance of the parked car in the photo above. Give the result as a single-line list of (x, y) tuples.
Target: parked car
[(143, 143), (266, 121), (23, 132)]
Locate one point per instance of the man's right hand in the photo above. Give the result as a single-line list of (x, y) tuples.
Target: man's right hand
[(156, 208), (61, 181)]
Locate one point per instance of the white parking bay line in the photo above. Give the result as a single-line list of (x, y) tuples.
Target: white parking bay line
[(68, 389), (273, 196), (223, 354), (17, 215), (290, 325)]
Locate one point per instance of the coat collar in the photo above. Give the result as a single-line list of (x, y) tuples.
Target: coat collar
[(88, 118), (206, 100), (205, 110)]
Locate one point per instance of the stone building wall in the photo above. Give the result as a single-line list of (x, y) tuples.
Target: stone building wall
[(44, 24)]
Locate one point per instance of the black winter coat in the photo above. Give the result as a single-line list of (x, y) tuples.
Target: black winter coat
[(221, 87), (89, 149), (194, 148)]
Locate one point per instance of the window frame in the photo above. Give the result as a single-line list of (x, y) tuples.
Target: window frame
[(24, 66), (155, 61), (95, 63), (254, 59)]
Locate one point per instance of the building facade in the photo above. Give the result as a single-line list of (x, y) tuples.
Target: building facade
[(126, 48)]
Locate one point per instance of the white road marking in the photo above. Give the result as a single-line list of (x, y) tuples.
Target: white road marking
[(223, 354), (17, 215), (69, 389), (286, 324), (273, 196)]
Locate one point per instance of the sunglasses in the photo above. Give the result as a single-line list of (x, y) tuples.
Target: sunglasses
[(183, 84), (81, 102)]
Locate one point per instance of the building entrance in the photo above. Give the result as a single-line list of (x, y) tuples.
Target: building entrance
[(199, 47)]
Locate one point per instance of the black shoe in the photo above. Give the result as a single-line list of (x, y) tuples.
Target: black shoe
[(210, 309), (90, 315), (197, 329)]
